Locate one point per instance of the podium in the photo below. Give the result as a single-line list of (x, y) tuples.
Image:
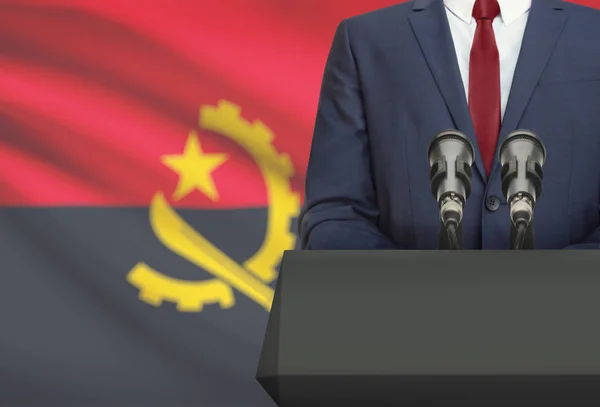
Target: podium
[(434, 328)]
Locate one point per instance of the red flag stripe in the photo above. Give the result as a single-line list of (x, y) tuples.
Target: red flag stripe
[(93, 94)]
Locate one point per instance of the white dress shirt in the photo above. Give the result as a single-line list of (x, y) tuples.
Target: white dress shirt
[(509, 28)]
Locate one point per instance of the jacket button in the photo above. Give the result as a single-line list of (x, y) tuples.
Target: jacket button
[(492, 203)]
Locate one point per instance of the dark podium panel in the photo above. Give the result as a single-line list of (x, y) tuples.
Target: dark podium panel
[(435, 328)]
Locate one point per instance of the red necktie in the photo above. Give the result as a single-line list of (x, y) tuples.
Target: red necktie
[(484, 81)]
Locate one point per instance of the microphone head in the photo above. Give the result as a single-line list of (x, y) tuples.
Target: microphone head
[(522, 156), (451, 142), (522, 143), (450, 157)]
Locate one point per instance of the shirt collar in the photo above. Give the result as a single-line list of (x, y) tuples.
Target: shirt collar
[(510, 10)]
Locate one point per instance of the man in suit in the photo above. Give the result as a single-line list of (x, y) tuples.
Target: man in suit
[(398, 76)]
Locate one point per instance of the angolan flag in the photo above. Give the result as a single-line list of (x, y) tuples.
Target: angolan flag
[(152, 159)]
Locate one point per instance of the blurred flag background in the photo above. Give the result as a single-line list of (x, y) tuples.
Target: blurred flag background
[(152, 159)]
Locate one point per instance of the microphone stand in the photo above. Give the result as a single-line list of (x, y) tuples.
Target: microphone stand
[(451, 237), (522, 237), (521, 225)]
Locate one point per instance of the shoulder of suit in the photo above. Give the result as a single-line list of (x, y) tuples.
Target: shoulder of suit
[(584, 20), (382, 15), (579, 10)]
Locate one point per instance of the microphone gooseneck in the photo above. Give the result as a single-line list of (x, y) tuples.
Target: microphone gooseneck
[(452, 236), (522, 156), (520, 236), (450, 157)]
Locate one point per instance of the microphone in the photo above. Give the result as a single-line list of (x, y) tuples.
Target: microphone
[(521, 155), (450, 158)]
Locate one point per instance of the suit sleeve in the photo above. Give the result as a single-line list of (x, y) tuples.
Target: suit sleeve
[(340, 210)]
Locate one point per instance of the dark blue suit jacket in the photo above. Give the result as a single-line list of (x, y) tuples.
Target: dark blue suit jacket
[(392, 83)]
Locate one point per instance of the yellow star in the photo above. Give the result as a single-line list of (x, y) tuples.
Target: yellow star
[(194, 168)]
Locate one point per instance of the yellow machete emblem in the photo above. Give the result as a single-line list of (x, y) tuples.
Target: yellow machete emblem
[(251, 278)]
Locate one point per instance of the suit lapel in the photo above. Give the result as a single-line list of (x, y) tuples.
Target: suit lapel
[(544, 27), (430, 25)]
